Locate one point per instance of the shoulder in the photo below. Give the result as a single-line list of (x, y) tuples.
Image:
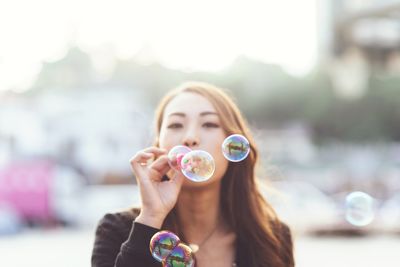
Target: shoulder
[(124, 215), (285, 236), (283, 231), (283, 228), (118, 221), (112, 230)]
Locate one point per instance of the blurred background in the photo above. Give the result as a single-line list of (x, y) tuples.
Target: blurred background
[(318, 81)]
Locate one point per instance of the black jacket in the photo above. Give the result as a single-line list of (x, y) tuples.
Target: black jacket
[(121, 242)]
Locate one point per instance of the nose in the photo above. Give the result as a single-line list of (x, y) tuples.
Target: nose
[(191, 142), (191, 138)]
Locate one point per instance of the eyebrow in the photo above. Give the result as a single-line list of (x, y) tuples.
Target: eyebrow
[(204, 113)]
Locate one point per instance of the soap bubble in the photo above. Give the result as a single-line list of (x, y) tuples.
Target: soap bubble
[(235, 148), (162, 243), (175, 156), (198, 165), (359, 208), (180, 256), (167, 248)]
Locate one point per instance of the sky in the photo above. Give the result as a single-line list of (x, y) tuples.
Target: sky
[(180, 34)]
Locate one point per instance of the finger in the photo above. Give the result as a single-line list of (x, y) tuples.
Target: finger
[(140, 158), (155, 150), (147, 154), (160, 165), (138, 163), (177, 179), (157, 175)]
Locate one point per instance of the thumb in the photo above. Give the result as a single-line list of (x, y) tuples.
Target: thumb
[(178, 179)]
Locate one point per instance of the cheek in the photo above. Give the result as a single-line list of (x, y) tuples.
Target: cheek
[(161, 138), (166, 140), (221, 165)]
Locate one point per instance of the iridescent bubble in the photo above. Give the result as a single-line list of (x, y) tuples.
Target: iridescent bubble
[(180, 256), (235, 147), (359, 208), (162, 243), (198, 165), (175, 156)]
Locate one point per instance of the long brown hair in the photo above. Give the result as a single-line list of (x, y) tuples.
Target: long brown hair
[(243, 207)]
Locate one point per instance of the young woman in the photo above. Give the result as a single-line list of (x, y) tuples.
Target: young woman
[(225, 218)]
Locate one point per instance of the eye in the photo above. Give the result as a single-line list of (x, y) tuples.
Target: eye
[(210, 125), (175, 126)]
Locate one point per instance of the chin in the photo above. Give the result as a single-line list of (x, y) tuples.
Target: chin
[(189, 184)]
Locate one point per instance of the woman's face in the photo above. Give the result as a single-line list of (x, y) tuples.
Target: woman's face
[(191, 120)]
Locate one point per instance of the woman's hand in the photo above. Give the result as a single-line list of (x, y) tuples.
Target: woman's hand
[(158, 197)]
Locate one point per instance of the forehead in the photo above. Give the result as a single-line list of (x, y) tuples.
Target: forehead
[(189, 103)]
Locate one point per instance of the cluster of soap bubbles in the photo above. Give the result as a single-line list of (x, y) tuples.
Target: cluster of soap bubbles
[(175, 156), (196, 165), (359, 208), (167, 248), (199, 165)]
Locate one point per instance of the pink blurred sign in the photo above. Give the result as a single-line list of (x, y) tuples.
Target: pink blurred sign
[(25, 186)]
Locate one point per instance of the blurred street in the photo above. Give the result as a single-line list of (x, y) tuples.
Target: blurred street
[(66, 248)]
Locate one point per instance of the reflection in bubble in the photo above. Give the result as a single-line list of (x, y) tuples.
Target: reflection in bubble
[(180, 256), (162, 243), (235, 148)]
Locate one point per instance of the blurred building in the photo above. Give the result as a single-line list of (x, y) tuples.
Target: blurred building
[(372, 26), (95, 131), (357, 37)]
